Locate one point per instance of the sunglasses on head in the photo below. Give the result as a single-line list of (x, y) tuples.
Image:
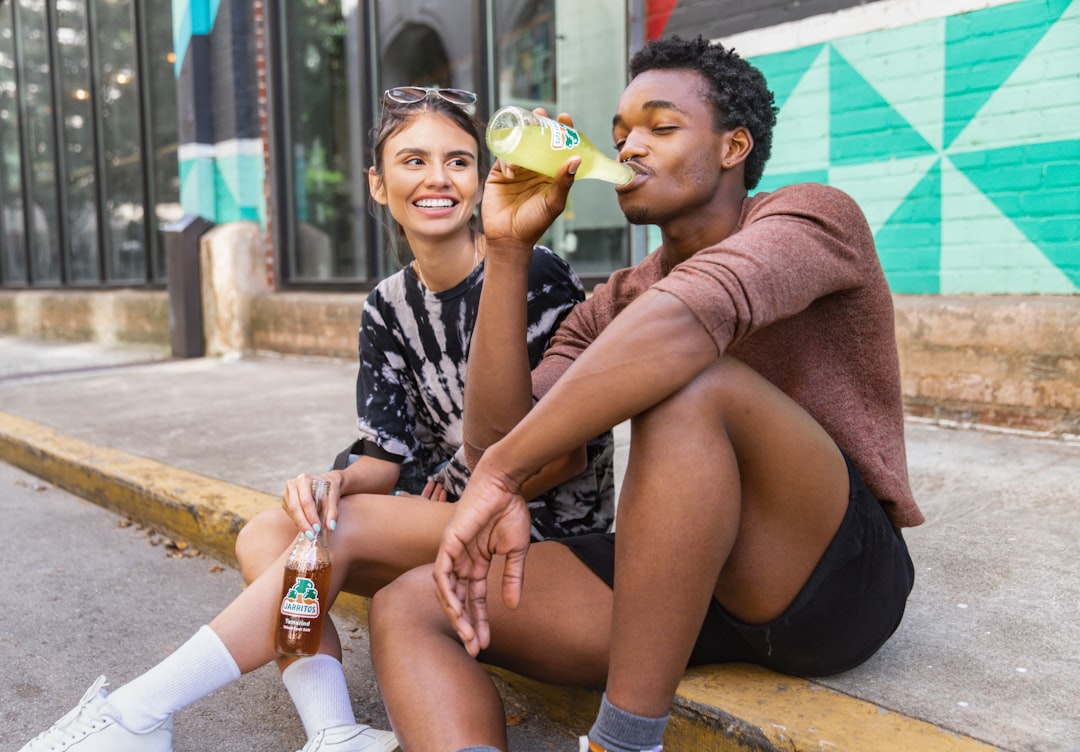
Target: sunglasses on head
[(414, 94)]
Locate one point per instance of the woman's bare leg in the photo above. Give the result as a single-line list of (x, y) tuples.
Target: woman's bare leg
[(377, 538)]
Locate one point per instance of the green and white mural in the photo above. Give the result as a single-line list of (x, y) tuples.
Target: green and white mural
[(959, 136)]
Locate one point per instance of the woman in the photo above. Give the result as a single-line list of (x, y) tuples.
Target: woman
[(414, 338)]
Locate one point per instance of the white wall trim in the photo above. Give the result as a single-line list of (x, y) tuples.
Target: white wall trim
[(875, 16)]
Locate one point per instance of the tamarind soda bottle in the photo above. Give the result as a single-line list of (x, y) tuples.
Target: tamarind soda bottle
[(305, 590), (521, 137)]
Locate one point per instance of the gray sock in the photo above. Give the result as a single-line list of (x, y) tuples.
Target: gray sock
[(619, 731)]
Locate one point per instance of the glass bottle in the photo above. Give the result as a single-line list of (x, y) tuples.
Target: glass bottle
[(305, 589), (521, 137)]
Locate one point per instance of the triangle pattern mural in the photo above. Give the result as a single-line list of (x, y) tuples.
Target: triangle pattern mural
[(904, 69), (959, 138), (864, 124), (982, 49), (804, 127), (979, 241)]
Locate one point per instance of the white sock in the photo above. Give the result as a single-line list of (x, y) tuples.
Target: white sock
[(316, 684), (198, 667)]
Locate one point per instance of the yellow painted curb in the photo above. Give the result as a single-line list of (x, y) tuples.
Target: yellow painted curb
[(740, 707), (721, 708), (750, 707), (204, 511), (185, 505)]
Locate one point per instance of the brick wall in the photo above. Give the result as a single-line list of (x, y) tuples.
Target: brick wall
[(956, 134)]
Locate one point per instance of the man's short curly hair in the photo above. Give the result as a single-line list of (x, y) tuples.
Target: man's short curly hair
[(737, 90)]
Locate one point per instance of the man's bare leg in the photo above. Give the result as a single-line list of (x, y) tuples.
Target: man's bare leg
[(731, 490), (438, 696)]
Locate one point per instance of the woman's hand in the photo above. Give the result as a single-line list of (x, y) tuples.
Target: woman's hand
[(490, 519), (299, 503)]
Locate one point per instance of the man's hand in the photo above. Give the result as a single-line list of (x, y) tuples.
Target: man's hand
[(520, 204), (490, 519)]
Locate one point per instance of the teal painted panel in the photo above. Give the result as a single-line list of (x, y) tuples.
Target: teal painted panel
[(909, 243), (197, 191), (784, 70), (982, 50), (906, 67), (772, 182), (202, 18), (995, 93), (865, 127), (239, 186), (181, 14), (1037, 186)]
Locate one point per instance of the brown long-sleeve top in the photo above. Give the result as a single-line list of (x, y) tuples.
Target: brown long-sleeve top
[(797, 292)]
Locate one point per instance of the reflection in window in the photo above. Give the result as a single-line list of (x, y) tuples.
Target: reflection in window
[(541, 42), (36, 92), (77, 112), (12, 225), (163, 125), (322, 243), (118, 100), (527, 55), (432, 46)]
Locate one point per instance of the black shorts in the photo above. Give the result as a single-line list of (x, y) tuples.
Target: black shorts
[(852, 603)]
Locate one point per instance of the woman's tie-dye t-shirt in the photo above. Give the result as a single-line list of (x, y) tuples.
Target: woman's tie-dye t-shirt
[(410, 390)]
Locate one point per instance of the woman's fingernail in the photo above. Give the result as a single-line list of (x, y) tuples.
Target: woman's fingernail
[(309, 535), (332, 524), (318, 528)]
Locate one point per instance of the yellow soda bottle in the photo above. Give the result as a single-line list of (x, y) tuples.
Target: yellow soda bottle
[(521, 137)]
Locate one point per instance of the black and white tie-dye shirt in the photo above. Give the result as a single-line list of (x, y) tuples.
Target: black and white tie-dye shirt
[(410, 391)]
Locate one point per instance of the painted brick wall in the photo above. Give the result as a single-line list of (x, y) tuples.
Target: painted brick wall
[(221, 160), (958, 134)]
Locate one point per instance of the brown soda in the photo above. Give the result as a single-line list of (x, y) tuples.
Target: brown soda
[(305, 589), (300, 618)]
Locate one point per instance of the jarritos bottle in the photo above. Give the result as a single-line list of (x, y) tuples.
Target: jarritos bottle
[(305, 590), (522, 137)]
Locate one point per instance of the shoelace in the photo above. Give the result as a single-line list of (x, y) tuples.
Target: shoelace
[(73, 725)]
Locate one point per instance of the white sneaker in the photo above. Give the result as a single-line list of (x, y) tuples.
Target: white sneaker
[(353, 738), (88, 727)]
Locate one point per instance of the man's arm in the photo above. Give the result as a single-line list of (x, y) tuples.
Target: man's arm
[(498, 387), (649, 351), (498, 383)]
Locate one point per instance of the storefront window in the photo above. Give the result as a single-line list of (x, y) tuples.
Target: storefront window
[(36, 92), (13, 247), (548, 55), (163, 125), (431, 45), (121, 139), (318, 198), (77, 112)]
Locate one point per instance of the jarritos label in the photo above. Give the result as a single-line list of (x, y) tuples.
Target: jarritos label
[(302, 599), (563, 138)]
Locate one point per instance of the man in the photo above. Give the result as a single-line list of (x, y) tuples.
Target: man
[(754, 354)]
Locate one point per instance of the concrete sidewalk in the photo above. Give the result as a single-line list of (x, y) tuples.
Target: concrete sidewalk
[(988, 655)]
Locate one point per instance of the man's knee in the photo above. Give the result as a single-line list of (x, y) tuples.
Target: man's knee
[(401, 603)]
